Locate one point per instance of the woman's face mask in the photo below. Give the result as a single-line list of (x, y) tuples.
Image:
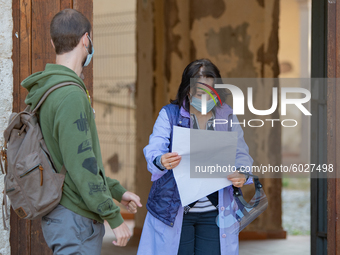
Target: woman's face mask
[(197, 104), (202, 89)]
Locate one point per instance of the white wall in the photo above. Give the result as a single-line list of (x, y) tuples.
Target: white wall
[(6, 97)]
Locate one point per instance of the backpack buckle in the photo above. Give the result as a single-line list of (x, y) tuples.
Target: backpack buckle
[(4, 153), (3, 160)]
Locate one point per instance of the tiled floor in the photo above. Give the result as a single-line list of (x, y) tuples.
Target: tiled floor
[(293, 245)]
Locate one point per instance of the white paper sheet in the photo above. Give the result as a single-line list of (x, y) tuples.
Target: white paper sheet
[(213, 147)]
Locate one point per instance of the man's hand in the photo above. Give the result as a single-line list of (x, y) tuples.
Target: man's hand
[(122, 234), (131, 201)]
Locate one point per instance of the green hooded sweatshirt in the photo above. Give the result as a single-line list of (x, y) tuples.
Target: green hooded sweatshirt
[(68, 126)]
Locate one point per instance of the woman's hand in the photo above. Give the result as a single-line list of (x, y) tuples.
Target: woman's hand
[(237, 179), (170, 160)]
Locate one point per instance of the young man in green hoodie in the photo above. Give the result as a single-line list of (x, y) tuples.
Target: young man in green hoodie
[(75, 226)]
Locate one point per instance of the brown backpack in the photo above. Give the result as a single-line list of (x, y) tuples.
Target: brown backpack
[(32, 183)]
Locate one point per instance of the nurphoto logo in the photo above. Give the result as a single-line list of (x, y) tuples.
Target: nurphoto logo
[(239, 104)]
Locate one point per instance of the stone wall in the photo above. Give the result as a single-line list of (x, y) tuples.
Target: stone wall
[(6, 97)]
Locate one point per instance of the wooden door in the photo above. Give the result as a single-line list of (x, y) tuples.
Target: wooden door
[(325, 202), (319, 129), (325, 193), (333, 126), (31, 51)]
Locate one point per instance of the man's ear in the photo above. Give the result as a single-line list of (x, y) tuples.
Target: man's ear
[(84, 38), (52, 44)]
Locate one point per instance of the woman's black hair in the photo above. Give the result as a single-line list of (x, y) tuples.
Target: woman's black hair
[(198, 69)]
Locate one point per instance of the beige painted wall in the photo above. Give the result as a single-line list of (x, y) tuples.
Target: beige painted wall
[(294, 51), (114, 73), (109, 6), (289, 34)]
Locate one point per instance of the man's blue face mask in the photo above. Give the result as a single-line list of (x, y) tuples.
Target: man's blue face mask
[(89, 55)]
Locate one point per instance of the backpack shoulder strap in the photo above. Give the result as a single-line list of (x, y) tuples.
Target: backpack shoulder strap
[(63, 170), (48, 92)]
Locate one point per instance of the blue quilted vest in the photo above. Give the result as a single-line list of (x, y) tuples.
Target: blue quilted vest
[(164, 202)]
